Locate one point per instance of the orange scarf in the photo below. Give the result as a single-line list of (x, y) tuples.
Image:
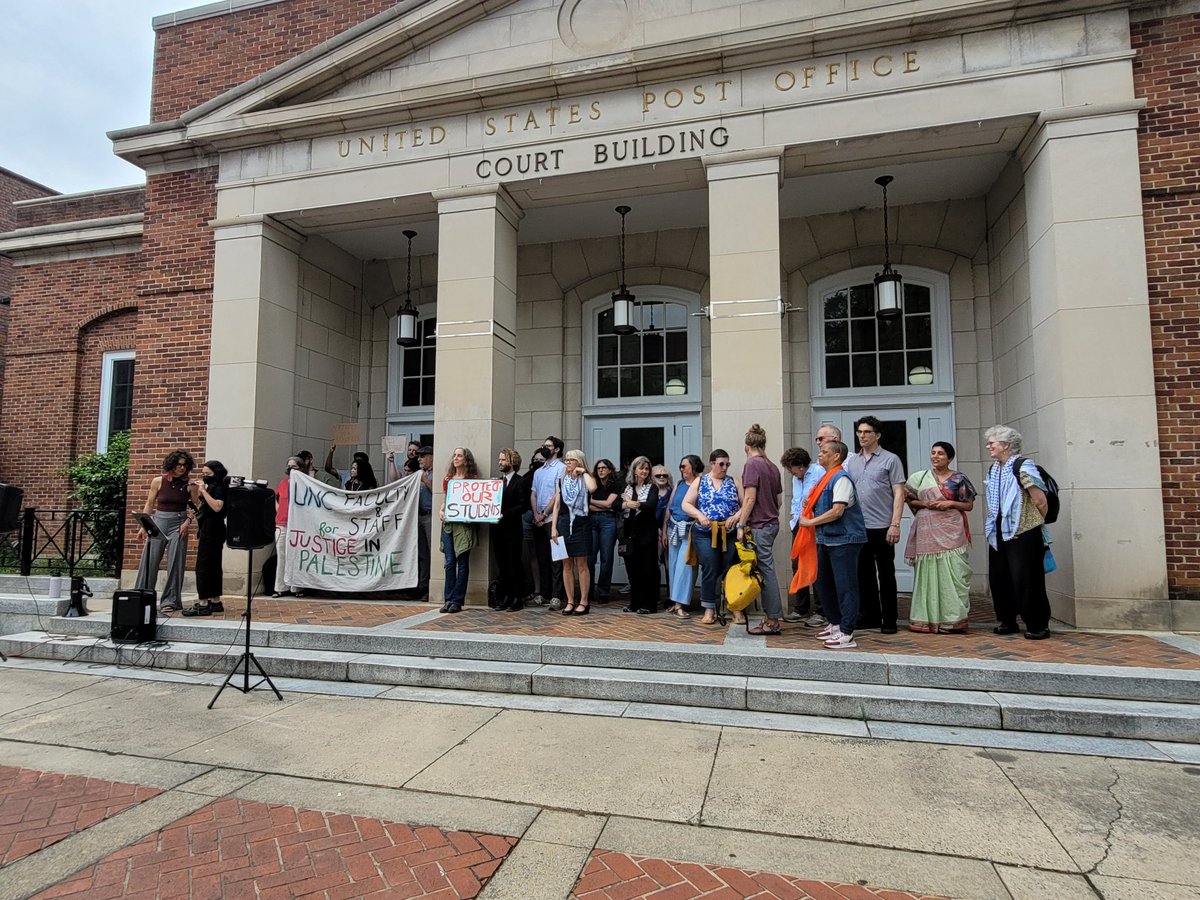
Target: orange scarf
[(804, 544)]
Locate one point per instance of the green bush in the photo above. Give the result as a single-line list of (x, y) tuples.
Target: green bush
[(99, 481)]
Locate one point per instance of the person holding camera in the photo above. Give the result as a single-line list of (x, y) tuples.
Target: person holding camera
[(208, 500)]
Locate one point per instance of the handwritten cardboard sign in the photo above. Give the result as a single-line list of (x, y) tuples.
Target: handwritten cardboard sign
[(349, 434), (474, 499)]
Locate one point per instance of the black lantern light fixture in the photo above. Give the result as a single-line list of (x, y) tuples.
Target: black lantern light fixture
[(406, 319), (888, 289), (622, 299)]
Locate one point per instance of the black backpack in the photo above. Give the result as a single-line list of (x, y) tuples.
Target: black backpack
[(1053, 503)]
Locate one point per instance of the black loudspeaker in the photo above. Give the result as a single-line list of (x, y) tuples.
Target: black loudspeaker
[(250, 517), (10, 507), (134, 617)]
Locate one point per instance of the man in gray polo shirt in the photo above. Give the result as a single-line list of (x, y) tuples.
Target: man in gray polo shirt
[(879, 479)]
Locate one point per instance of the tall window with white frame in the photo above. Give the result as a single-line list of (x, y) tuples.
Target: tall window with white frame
[(418, 367), (116, 397)]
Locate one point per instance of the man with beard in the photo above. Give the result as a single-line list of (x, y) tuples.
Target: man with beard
[(507, 536), (545, 488)]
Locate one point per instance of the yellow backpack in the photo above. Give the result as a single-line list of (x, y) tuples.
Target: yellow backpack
[(743, 581)]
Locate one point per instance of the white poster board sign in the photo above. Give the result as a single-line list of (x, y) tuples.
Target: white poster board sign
[(352, 540), (474, 499)]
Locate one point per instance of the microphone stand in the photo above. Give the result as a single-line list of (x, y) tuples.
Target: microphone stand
[(247, 658)]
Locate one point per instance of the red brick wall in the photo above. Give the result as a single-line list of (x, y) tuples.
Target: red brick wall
[(12, 188), (174, 320), (196, 61), (77, 209), (116, 331), (42, 424), (1167, 73)]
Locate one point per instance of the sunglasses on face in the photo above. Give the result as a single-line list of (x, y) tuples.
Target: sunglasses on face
[(723, 463)]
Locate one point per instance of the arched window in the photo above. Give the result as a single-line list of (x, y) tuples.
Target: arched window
[(658, 363), (854, 351)]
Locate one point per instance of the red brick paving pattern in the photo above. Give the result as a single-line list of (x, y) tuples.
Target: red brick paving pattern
[(608, 624), (619, 876), (235, 849), (38, 809), (1074, 647), (315, 611)]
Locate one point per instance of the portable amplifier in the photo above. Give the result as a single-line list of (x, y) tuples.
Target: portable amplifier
[(134, 617)]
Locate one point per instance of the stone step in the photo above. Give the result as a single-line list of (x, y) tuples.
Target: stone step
[(844, 667), (950, 707)]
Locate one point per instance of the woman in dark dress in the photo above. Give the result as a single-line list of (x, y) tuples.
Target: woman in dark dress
[(604, 508), (640, 503), (208, 497), (571, 521)]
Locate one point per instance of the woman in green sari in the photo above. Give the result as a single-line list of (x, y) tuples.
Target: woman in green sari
[(938, 542)]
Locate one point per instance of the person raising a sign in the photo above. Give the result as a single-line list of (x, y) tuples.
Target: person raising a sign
[(569, 520), (458, 538)]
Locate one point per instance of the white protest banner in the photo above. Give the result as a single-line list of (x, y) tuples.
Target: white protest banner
[(352, 540), (474, 499)]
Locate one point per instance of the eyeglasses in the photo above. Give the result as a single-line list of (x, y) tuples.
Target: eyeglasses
[(723, 463)]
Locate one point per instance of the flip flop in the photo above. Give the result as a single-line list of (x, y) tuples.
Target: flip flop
[(758, 629)]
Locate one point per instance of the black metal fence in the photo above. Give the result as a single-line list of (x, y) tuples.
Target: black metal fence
[(65, 542)]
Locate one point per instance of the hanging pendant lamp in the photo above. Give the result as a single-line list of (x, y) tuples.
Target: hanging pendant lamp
[(406, 319), (623, 301), (888, 287)]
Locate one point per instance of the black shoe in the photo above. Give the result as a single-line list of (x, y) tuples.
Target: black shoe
[(645, 612), (1037, 635), (888, 629), (198, 610), (1006, 629), (216, 606), (513, 605), (455, 608), (629, 609), (446, 607)]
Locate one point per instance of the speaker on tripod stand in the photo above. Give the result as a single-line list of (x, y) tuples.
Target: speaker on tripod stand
[(249, 525)]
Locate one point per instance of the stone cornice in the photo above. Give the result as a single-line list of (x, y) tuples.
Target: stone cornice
[(265, 110), (74, 240)]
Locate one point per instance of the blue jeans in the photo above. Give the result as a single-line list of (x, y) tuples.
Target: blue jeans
[(604, 548), (458, 570), (713, 565), (837, 583), (764, 543)]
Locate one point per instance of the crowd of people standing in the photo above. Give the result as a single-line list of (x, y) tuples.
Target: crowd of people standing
[(563, 525)]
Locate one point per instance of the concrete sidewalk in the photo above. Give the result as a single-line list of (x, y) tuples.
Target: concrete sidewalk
[(342, 796)]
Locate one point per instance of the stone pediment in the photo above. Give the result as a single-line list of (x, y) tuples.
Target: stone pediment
[(451, 56)]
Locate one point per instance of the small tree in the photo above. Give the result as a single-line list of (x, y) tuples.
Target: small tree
[(99, 481)]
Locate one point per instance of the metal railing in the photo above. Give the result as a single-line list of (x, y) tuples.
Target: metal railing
[(66, 542)]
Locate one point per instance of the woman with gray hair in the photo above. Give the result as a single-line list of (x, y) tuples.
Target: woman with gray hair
[(569, 520), (1016, 513)]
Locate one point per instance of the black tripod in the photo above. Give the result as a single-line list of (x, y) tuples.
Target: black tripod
[(245, 660)]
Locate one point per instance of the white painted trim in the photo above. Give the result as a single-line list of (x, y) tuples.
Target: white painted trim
[(942, 389), (396, 413), (106, 386)]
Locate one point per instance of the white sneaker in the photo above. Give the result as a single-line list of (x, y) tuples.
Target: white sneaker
[(827, 632), (841, 641), (816, 620)]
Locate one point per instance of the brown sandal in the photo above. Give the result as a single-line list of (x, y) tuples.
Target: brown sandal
[(682, 613)]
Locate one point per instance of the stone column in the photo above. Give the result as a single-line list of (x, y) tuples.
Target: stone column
[(252, 362), (476, 346), (1093, 384), (744, 309)]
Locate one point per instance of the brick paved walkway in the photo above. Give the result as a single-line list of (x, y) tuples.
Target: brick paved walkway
[(38, 809), (316, 611), (618, 876), (235, 849), (1077, 647), (602, 623)]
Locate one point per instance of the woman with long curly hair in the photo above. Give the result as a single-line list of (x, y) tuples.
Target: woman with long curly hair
[(458, 538)]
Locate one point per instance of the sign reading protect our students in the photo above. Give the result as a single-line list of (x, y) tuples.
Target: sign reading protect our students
[(474, 499)]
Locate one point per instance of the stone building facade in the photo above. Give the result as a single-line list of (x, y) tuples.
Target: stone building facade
[(1041, 216)]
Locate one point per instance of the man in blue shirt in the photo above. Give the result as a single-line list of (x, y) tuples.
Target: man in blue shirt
[(541, 498)]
